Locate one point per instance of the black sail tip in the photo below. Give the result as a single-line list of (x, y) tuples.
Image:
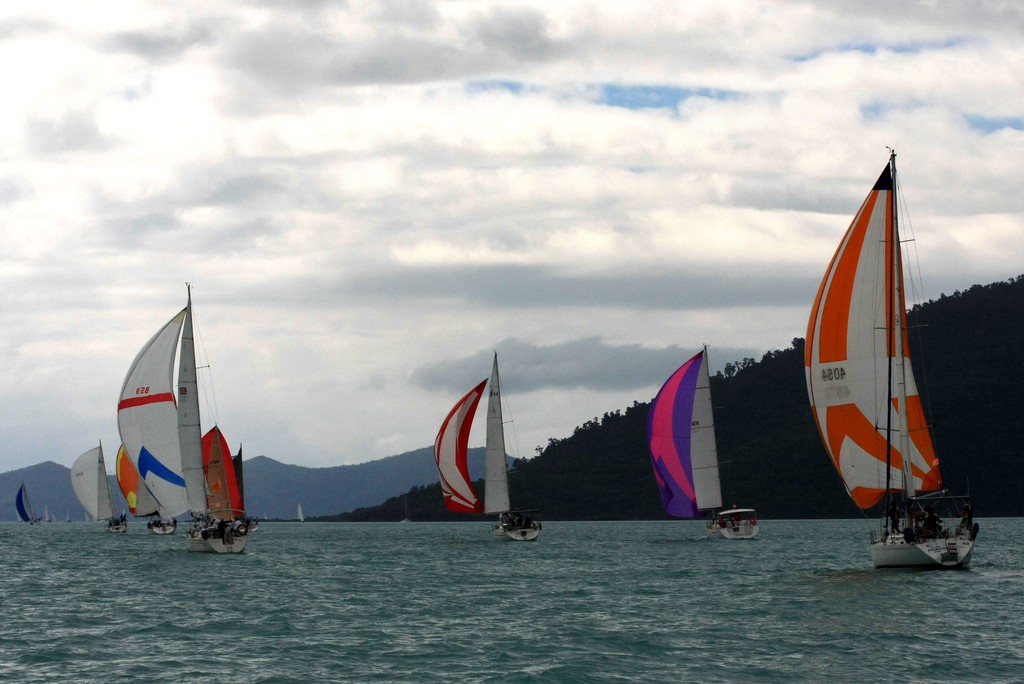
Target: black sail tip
[(884, 181)]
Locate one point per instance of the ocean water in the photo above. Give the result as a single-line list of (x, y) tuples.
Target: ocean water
[(443, 602)]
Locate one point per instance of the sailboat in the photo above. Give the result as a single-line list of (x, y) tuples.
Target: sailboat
[(406, 518), (864, 396), (163, 439), (89, 481), (451, 455), (684, 455), (24, 507), (141, 502), (298, 513), (224, 497), (146, 420)]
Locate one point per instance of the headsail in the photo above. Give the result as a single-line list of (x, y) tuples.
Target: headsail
[(496, 471), (189, 434), (857, 327), (451, 453), (222, 498), (681, 436), (136, 493), (147, 419), (236, 461), (21, 503), (89, 481)]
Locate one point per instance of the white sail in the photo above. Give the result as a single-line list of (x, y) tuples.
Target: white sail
[(704, 452), (89, 481), (190, 437), (496, 472), (301, 517), (146, 503), (147, 419)]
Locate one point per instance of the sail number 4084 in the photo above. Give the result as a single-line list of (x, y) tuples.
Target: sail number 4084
[(833, 373)]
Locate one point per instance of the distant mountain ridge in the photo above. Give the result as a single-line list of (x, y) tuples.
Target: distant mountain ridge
[(272, 489)]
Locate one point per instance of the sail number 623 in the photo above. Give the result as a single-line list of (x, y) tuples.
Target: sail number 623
[(834, 373)]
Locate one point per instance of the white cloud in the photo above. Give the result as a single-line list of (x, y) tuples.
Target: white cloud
[(371, 196)]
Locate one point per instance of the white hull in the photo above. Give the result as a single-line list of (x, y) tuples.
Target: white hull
[(522, 534), (161, 529), (895, 552), (735, 523), (740, 531), (120, 528), (196, 544)]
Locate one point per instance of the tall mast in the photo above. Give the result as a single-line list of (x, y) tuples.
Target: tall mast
[(891, 323), (898, 333)]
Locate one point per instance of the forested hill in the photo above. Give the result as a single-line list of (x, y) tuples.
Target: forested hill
[(968, 361)]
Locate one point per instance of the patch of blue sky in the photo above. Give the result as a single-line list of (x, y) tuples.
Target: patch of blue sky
[(514, 87), (990, 124), (873, 111), (655, 97), (615, 95), (873, 48)]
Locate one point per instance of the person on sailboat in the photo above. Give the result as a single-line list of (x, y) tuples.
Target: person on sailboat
[(967, 517), (930, 526), (894, 517)]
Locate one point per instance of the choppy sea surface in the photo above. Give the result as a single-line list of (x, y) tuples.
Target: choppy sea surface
[(443, 602)]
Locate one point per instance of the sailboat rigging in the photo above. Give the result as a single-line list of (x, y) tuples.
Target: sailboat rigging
[(864, 397)]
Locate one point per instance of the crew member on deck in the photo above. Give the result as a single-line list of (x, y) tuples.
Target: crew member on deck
[(894, 517)]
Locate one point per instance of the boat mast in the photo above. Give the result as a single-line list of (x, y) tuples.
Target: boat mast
[(898, 332), (889, 344)]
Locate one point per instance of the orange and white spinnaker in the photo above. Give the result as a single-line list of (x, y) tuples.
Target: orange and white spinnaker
[(856, 342)]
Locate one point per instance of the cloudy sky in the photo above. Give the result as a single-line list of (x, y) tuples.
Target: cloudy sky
[(369, 198)]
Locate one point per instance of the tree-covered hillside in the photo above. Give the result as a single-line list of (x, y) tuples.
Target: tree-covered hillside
[(967, 359)]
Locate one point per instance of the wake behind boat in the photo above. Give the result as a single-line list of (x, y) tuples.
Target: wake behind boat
[(451, 456), (684, 455), (864, 396)]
